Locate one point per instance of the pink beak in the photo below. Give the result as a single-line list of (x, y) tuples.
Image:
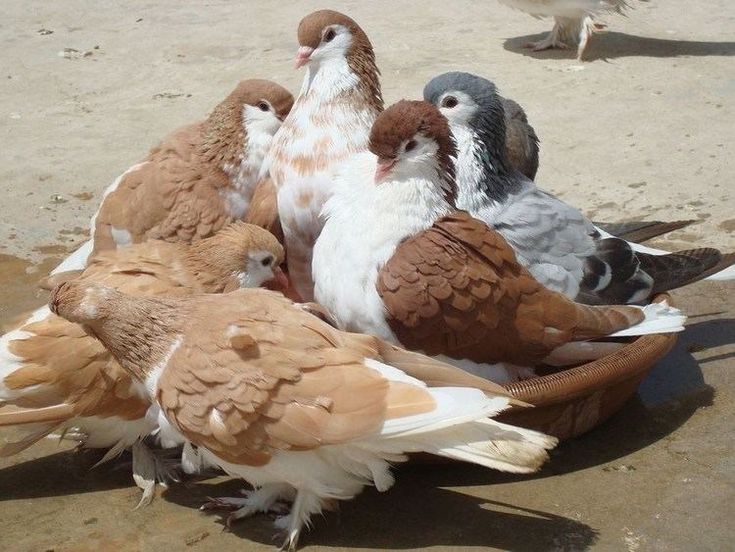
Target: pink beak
[(383, 168), (303, 56)]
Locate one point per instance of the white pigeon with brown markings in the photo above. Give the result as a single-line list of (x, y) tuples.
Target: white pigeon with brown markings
[(329, 122), (58, 378), (302, 411), (427, 276), (197, 180)]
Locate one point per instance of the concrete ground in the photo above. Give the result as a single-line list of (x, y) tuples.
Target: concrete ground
[(643, 129)]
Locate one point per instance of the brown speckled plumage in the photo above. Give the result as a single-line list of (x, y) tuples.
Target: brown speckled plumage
[(70, 367), (176, 193)]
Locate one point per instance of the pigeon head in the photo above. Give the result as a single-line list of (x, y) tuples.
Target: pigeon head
[(470, 101), (263, 97), (412, 139), (240, 255), (328, 35), (253, 111), (461, 97)]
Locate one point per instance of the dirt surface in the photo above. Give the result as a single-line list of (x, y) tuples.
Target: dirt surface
[(644, 129)]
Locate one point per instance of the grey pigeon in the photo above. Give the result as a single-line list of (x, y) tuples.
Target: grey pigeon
[(555, 241)]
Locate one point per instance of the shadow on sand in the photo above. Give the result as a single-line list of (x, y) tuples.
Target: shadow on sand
[(414, 514), (613, 45)]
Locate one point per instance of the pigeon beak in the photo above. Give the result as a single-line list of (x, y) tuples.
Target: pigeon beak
[(279, 282), (303, 56), (383, 168)]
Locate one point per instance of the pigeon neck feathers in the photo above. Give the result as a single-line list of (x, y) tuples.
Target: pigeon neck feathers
[(139, 332), (482, 160)]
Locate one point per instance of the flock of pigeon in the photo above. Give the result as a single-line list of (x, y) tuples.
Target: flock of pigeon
[(422, 267)]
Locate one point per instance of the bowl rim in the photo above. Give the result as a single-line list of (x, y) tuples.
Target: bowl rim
[(630, 361)]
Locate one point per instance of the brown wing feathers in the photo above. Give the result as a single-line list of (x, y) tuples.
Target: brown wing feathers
[(457, 289)]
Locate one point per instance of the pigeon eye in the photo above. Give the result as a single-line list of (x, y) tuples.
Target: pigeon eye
[(450, 102), (263, 106), (267, 261), (329, 35), (411, 144)]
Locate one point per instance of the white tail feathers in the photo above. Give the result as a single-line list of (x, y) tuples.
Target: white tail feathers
[(491, 444), (459, 427), (659, 318)]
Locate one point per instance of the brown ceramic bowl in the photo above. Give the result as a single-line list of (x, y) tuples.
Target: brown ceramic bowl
[(570, 402)]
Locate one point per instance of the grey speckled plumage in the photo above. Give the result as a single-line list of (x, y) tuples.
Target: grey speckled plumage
[(555, 241), (574, 20)]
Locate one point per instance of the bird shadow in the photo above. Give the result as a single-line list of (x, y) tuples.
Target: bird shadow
[(613, 45), (398, 519), (680, 373), (64, 473)]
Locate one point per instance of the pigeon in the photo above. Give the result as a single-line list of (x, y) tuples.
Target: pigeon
[(559, 246), (429, 277), (300, 410), (60, 378), (330, 121), (574, 20), (200, 178)]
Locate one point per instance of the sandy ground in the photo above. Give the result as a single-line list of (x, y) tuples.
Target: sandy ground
[(644, 129)]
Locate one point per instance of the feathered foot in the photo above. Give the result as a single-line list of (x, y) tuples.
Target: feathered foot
[(586, 28), (266, 499), (150, 468), (290, 526), (552, 40)]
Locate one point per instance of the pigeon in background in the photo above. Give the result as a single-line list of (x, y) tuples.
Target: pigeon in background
[(397, 259), (59, 378), (302, 411), (329, 122), (574, 20), (200, 178), (559, 246)]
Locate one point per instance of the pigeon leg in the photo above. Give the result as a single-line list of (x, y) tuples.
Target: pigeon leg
[(149, 469), (268, 498), (552, 40), (305, 504), (586, 28)]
